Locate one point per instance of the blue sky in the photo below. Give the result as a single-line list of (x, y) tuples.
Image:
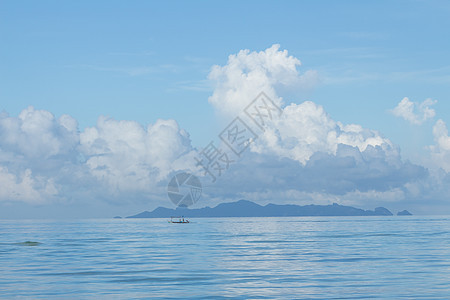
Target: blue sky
[(145, 60)]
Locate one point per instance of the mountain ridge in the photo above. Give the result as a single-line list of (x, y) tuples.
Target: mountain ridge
[(246, 208)]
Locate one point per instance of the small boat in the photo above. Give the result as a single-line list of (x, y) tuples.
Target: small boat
[(178, 220)]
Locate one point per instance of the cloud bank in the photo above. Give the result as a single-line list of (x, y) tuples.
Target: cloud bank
[(304, 156), (46, 159)]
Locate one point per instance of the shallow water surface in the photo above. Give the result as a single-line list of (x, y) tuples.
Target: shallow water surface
[(227, 258)]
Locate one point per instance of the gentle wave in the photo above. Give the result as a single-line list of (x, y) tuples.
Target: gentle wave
[(227, 258)]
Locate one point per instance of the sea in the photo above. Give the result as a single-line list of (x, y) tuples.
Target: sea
[(398, 257)]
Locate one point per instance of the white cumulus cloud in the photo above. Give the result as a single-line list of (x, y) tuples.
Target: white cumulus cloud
[(415, 113), (440, 152), (128, 157), (306, 128), (45, 159), (34, 148), (25, 188), (247, 73), (37, 134)]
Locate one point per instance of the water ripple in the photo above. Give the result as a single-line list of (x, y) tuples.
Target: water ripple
[(227, 258)]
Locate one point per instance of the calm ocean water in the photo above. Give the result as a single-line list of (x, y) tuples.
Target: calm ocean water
[(227, 258)]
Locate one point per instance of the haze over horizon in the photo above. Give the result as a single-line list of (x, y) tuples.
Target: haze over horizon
[(101, 110)]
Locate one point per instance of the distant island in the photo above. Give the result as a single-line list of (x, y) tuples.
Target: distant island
[(404, 213), (245, 208)]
